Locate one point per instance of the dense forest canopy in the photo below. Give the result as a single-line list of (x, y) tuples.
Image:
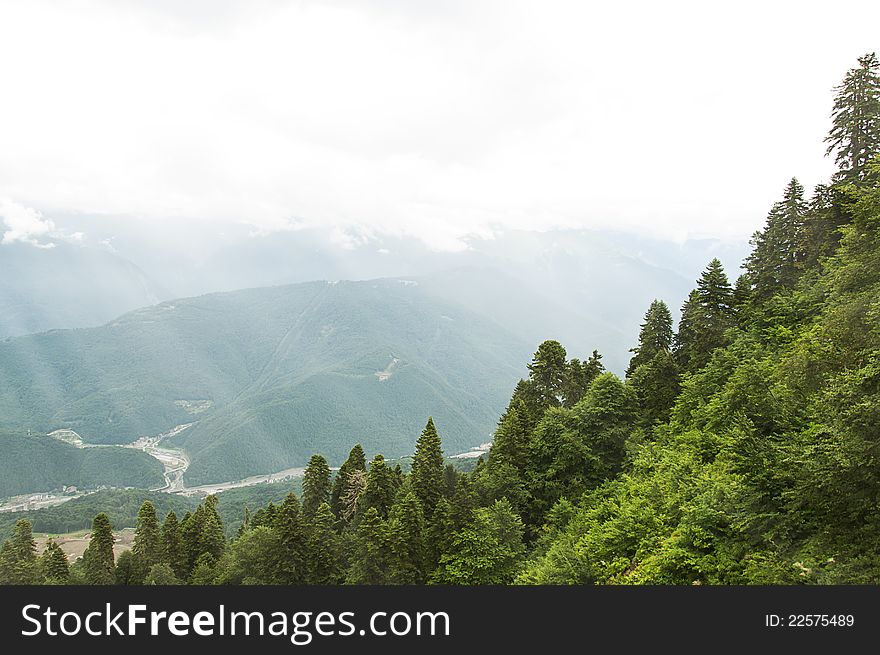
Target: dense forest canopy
[(740, 449)]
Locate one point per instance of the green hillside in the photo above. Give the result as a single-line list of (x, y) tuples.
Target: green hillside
[(288, 371), (31, 464)]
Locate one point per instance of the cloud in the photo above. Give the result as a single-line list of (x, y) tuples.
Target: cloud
[(430, 120), (24, 224)]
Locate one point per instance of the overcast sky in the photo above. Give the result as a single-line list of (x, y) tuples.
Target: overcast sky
[(436, 119)]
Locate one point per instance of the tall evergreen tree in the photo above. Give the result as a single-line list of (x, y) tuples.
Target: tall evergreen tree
[(547, 374), (212, 539), (322, 554), (372, 554), (855, 134), (406, 531), (578, 378), (316, 485), (18, 556), (54, 565), (147, 547), (427, 468), (98, 559), (292, 554), (655, 335), (381, 487), (705, 318), (777, 257), (357, 461), (172, 550), (439, 531)]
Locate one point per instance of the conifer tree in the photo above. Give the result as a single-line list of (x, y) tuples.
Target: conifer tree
[(172, 550), (316, 486), (578, 378), (777, 256), (323, 565), (190, 533), (147, 547), (54, 565), (406, 530), (18, 556), (450, 475), (439, 531), (656, 385), (127, 572), (427, 468), (855, 134), (371, 557), (212, 539), (356, 461), (705, 317), (98, 559), (381, 487), (655, 335), (547, 374), (293, 542), (464, 501), (204, 572)]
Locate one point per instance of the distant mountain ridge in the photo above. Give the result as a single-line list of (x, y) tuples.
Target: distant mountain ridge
[(67, 286)]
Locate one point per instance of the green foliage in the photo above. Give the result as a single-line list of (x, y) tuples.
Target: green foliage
[(705, 318), (316, 484), (161, 574), (486, 552), (427, 468), (547, 373), (655, 336), (18, 556), (855, 135), (356, 461), (147, 547), (54, 567), (381, 487), (98, 559)]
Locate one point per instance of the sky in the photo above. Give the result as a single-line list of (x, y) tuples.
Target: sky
[(433, 120)]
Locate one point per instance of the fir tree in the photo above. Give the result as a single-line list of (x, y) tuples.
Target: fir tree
[(54, 565), (127, 572), (578, 378), (777, 256), (547, 374), (292, 553), (855, 134), (172, 550), (427, 468), (705, 318), (371, 556), (356, 461), (439, 531), (316, 486), (322, 561), (98, 559), (381, 487), (147, 547), (655, 335), (406, 531), (18, 556)]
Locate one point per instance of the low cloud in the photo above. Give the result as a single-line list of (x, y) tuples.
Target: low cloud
[(24, 224)]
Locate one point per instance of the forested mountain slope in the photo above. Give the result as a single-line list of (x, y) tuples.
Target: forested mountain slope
[(268, 375)]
